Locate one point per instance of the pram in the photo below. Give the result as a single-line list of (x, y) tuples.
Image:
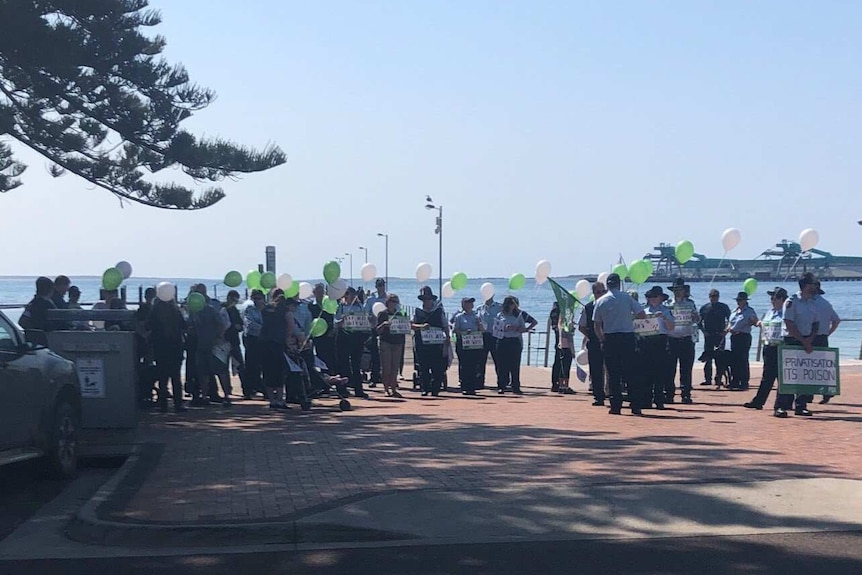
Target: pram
[(302, 390)]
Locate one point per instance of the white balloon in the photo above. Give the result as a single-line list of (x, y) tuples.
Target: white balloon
[(487, 291), (368, 272), (338, 289), (305, 290), (603, 278), (423, 272), (165, 291), (808, 239), (284, 281), (448, 290), (582, 289), (582, 357), (543, 270), (730, 238), (125, 269), (378, 308)]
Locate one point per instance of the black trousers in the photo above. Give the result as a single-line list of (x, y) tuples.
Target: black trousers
[(653, 362), (253, 381), (374, 349), (273, 364), (468, 366), (168, 363), (432, 367), (619, 351), (740, 345), (324, 348), (558, 362), (681, 351), (490, 348), (597, 369), (711, 342), (770, 374), (565, 355), (351, 345), (508, 362)]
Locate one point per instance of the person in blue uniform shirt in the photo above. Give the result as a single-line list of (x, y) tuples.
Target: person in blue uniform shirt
[(827, 323), (487, 315), (467, 323), (373, 347), (800, 329), (739, 327), (613, 318), (594, 347), (771, 329), (508, 327), (681, 341), (713, 323), (652, 350), (431, 337), (353, 334)]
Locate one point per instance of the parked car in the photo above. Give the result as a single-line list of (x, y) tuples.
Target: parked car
[(40, 403)]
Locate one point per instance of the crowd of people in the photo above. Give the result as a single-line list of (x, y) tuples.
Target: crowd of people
[(634, 351)]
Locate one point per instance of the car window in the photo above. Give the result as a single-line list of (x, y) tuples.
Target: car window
[(8, 342)]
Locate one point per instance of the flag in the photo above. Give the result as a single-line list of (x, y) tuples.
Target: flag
[(566, 302)]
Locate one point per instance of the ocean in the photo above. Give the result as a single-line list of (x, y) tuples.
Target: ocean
[(536, 300)]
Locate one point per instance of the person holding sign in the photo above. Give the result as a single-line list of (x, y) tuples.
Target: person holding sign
[(353, 323), (508, 327), (680, 341), (800, 329), (739, 328), (771, 328), (431, 337), (469, 345), (613, 318), (391, 327), (651, 333)]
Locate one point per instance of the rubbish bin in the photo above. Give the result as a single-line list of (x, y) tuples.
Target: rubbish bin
[(105, 361)]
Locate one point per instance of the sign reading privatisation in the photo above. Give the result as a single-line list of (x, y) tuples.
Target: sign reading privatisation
[(814, 373)]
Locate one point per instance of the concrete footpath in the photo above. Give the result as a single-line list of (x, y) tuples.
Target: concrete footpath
[(456, 469)]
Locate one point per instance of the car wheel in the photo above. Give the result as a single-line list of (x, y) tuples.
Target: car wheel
[(63, 445)]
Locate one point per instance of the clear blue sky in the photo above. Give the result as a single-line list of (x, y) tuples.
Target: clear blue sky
[(570, 131)]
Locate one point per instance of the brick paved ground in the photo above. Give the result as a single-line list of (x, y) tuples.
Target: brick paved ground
[(250, 464)]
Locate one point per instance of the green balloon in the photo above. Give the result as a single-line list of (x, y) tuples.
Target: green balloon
[(267, 280), (749, 286), (195, 302), (112, 278), (331, 272), (252, 279), (683, 251), (621, 270), (318, 327), (232, 279), (458, 281), (639, 271), (516, 282), (293, 290), (329, 305)]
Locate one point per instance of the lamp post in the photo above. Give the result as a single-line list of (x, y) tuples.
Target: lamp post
[(366, 253), (350, 255), (386, 236), (429, 205)]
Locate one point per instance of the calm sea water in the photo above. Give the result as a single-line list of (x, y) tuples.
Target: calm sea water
[(846, 298)]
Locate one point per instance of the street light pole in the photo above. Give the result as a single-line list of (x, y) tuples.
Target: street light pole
[(386, 236), (350, 255), (366, 253), (429, 205)]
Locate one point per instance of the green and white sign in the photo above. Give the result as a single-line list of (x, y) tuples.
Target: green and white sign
[(814, 373)]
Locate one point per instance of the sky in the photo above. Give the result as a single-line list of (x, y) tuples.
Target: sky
[(571, 131)]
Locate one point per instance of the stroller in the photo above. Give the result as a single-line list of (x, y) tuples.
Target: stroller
[(306, 383)]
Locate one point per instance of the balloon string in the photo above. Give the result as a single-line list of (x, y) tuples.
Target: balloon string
[(715, 273), (790, 271)]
